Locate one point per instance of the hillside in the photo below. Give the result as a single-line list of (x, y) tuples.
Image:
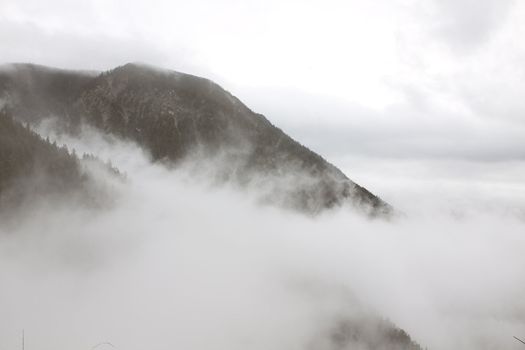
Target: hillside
[(179, 117), (32, 169)]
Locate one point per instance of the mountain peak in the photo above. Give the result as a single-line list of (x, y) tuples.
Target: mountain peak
[(176, 116)]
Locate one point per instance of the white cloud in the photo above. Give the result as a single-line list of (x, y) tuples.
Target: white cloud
[(175, 264)]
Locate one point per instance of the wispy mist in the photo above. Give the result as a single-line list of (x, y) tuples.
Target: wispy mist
[(176, 262)]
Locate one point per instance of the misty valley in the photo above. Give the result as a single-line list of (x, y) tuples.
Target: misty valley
[(144, 208)]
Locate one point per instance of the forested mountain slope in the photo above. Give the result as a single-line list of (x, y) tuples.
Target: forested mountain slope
[(32, 168), (177, 117)]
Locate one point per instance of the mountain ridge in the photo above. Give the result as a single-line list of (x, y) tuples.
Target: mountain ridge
[(173, 115)]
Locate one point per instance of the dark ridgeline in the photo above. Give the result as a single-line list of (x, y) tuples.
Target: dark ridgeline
[(176, 117)]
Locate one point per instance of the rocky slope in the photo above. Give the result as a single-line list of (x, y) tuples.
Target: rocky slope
[(179, 117)]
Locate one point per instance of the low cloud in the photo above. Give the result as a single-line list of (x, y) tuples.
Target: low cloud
[(178, 263)]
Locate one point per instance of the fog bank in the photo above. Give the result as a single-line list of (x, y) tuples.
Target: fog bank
[(178, 262)]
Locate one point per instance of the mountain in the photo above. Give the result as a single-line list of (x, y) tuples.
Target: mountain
[(179, 117)]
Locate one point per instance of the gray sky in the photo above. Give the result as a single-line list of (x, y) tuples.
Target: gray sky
[(365, 83)]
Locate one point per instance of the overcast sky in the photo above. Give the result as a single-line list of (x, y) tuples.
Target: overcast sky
[(389, 90)]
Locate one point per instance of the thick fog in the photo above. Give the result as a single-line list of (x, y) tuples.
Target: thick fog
[(175, 261)]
